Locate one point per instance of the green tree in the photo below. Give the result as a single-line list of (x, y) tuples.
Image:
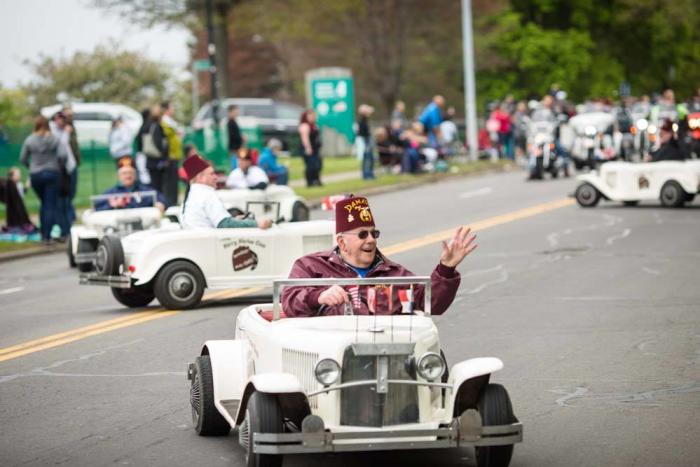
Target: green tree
[(105, 74), (14, 107)]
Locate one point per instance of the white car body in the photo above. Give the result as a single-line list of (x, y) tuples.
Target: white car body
[(634, 182), (85, 237), (278, 357), (93, 120), (217, 259)]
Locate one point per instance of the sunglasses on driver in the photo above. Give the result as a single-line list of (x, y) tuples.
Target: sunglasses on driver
[(363, 234)]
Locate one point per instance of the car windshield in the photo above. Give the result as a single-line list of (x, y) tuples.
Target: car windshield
[(288, 111), (92, 116)]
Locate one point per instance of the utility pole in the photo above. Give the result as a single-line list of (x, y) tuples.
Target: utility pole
[(211, 50), (469, 81)]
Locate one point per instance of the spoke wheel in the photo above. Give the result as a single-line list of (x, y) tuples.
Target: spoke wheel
[(206, 418), (263, 415)]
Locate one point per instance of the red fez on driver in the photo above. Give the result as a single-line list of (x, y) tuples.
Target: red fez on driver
[(351, 213), (193, 165)]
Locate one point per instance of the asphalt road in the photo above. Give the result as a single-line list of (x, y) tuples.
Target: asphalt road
[(595, 313)]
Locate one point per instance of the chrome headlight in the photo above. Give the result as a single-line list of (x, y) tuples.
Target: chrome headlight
[(590, 130), (430, 366), (642, 124), (327, 371)]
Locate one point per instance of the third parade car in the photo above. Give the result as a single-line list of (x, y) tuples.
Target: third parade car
[(348, 383), (100, 220), (176, 265), (674, 183)]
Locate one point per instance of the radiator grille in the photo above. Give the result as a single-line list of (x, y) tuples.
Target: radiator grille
[(302, 364), (362, 406)]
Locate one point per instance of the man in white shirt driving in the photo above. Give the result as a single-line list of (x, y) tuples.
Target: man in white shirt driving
[(247, 175), (202, 207)]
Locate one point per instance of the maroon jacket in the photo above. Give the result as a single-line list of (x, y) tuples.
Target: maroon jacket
[(303, 300)]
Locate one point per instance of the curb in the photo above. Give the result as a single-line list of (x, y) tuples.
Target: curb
[(29, 252), (427, 179), (314, 203)]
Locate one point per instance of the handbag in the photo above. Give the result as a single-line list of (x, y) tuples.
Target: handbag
[(149, 147)]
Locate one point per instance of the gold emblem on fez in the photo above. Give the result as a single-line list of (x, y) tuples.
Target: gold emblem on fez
[(350, 218), (365, 215)]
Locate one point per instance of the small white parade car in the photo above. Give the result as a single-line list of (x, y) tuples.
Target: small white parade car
[(276, 202), (84, 238), (674, 183), (176, 265), (347, 383)]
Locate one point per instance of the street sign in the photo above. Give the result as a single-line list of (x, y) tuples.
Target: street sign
[(334, 102), (201, 65)]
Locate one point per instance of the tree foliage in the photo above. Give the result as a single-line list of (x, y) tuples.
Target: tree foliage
[(105, 74), (14, 106)]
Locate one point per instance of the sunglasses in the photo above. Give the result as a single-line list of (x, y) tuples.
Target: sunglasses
[(363, 234)]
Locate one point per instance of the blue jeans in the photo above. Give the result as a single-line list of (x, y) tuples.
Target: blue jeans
[(368, 161), (280, 175), (45, 185)]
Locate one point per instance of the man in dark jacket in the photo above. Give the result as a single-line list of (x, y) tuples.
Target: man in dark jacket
[(670, 149), (123, 192), (357, 256)]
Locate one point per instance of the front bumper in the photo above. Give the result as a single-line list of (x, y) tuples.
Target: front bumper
[(466, 430), (119, 282)]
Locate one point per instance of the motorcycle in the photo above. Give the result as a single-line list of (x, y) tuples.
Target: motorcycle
[(593, 142), (542, 155)]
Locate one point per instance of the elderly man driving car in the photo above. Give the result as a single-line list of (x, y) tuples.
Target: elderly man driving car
[(357, 255), (124, 191), (202, 207)]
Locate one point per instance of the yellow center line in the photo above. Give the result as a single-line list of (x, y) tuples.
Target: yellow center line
[(144, 316), (55, 340)]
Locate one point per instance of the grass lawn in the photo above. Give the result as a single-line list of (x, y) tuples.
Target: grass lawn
[(6, 247)]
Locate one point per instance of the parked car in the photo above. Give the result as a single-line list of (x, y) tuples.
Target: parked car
[(347, 383), (175, 265), (276, 119), (674, 183), (93, 120)]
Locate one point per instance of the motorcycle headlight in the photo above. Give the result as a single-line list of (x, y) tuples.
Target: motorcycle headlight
[(590, 131), (540, 138), (430, 366), (327, 371), (642, 124), (651, 129)]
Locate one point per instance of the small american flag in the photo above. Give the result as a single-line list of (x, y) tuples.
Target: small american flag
[(354, 291)]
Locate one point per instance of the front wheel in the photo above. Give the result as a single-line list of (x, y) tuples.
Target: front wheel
[(179, 285), (587, 196), (134, 297), (495, 409), (206, 418), (262, 415), (69, 250)]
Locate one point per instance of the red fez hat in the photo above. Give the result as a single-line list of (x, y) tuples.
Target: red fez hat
[(667, 126), (351, 213), (193, 165)]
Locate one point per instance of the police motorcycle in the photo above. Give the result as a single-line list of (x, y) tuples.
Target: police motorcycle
[(594, 141), (623, 138), (541, 147)]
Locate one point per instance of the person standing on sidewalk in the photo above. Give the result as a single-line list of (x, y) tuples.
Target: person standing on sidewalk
[(311, 147), (431, 118), (173, 134), (75, 150), (235, 139), (65, 211), (42, 153), (365, 138), (155, 146)]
